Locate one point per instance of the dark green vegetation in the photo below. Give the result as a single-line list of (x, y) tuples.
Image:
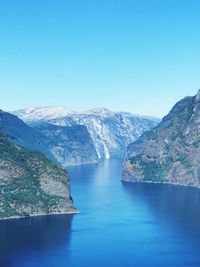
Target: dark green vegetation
[(30, 184), (152, 171)]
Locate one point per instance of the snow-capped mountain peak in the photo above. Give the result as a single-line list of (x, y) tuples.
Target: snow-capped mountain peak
[(43, 113)]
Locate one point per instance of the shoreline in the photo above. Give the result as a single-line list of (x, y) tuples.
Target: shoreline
[(162, 183), (75, 212)]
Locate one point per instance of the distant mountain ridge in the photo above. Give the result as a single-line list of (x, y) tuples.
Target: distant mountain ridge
[(169, 153), (42, 114), (69, 145), (111, 132)]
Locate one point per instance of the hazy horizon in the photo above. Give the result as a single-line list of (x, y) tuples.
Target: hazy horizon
[(96, 107)]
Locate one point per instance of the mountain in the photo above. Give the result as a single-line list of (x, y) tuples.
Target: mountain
[(68, 145), (21, 134), (43, 114), (169, 153), (111, 132), (30, 184)]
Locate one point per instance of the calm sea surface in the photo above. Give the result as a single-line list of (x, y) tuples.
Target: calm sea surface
[(119, 225)]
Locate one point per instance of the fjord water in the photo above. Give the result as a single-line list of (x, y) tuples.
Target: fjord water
[(119, 225)]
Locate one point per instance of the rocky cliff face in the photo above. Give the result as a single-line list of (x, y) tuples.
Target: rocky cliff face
[(111, 132), (170, 152), (63, 145), (30, 184), (69, 145)]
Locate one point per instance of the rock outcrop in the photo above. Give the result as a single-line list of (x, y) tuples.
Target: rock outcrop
[(69, 145), (169, 153)]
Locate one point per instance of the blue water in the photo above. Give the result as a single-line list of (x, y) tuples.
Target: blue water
[(119, 225)]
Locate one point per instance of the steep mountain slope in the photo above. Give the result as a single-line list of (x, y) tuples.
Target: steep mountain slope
[(170, 152), (21, 134), (110, 131), (69, 145), (30, 184)]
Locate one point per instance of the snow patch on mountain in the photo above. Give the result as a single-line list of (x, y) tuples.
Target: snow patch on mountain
[(110, 131), (44, 113)]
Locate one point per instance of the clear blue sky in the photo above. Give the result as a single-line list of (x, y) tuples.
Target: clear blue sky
[(135, 55)]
